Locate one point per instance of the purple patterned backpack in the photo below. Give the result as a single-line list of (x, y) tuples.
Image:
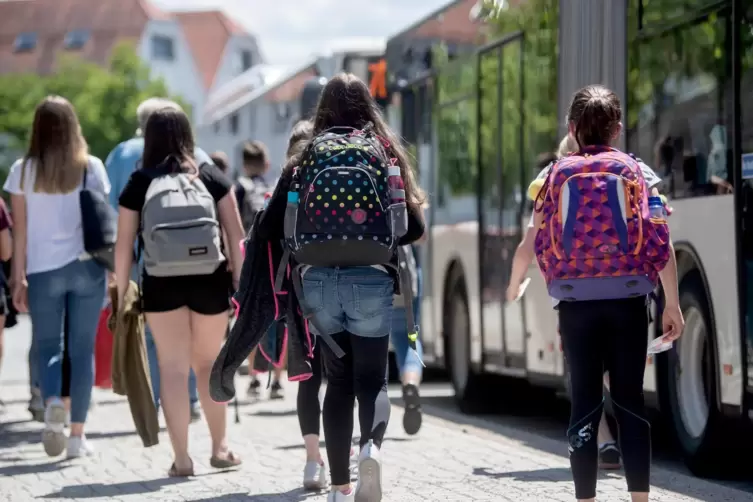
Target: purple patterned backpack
[(597, 240)]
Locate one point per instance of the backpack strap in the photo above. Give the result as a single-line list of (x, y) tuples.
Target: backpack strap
[(406, 288)]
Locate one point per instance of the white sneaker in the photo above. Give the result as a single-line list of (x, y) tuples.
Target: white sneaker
[(314, 476), (369, 487), (78, 446), (53, 435), (353, 464), (338, 496)]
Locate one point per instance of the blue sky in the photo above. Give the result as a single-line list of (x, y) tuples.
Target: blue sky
[(292, 31)]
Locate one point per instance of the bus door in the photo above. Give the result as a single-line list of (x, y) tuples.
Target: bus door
[(500, 147)]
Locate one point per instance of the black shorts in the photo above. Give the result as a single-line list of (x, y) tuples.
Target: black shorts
[(203, 294)]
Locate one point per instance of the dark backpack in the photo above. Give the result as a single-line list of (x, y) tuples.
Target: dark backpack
[(251, 202), (346, 204)]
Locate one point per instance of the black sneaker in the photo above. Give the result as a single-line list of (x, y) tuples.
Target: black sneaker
[(609, 457), (276, 391), (412, 416), (253, 388)]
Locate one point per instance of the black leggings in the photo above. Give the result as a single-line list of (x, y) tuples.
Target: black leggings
[(599, 336), (361, 373), (308, 408)]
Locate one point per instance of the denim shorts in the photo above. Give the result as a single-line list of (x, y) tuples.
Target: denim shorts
[(353, 299)]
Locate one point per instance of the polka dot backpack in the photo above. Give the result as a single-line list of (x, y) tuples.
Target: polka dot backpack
[(346, 206)]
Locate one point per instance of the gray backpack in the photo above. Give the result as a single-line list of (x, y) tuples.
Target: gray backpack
[(179, 228)]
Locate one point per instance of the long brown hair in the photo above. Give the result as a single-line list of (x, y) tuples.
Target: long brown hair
[(57, 148), (595, 114), (346, 102), (168, 134)]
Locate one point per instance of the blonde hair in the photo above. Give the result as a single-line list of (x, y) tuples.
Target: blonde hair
[(148, 107), (57, 148), (567, 145)]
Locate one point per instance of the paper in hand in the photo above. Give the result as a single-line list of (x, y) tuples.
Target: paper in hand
[(522, 288)]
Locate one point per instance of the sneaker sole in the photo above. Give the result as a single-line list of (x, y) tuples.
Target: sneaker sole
[(412, 417), (53, 437), (610, 467), (313, 485), (369, 487)]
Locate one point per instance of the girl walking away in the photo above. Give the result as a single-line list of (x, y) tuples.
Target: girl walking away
[(6, 250), (600, 280), (181, 209), (351, 201), (51, 274)]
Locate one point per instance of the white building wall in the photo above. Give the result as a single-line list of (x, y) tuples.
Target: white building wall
[(230, 66), (258, 121), (181, 74)]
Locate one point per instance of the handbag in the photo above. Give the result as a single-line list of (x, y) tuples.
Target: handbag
[(99, 222)]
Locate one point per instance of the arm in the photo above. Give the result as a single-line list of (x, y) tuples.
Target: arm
[(231, 222), (128, 224), (6, 245), (18, 265), (524, 255)]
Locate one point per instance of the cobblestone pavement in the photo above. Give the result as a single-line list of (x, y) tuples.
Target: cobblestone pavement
[(445, 462)]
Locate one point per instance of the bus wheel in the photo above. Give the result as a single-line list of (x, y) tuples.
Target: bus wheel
[(691, 384), (465, 382)]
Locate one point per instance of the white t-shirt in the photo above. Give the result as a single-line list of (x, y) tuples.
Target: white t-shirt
[(54, 237)]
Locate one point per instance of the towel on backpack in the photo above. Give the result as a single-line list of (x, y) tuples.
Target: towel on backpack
[(258, 307)]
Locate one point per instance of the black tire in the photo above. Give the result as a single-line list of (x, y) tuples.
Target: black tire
[(704, 447), (467, 384)]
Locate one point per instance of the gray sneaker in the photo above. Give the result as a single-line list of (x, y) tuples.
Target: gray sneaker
[(36, 406), (195, 412), (53, 435)]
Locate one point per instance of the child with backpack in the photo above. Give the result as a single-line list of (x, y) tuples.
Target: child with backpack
[(345, 208), (602, 253), (178, 209), (250, 191)]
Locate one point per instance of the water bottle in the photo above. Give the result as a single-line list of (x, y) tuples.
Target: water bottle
[(395, 182), (397, 210), (267, 197), (656, 207)]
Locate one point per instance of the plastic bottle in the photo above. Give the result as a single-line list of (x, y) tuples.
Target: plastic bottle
[(656, 207), (395, 182)]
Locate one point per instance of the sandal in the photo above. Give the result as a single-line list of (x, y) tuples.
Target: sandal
[(227, 461), (175, 473)]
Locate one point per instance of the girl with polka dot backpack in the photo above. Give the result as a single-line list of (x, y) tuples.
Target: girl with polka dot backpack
[(351, 206)]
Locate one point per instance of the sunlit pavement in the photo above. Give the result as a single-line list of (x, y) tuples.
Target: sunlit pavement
[(452, 459)]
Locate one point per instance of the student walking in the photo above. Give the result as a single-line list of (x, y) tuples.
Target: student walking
[(121, 163), (250, 191), (603, 317), (354, 168), (52, 276), (181, 207)]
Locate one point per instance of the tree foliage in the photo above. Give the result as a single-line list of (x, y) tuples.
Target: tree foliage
[(105, 99), (515, 85)]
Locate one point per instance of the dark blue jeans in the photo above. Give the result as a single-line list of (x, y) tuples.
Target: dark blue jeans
[(78, 291)]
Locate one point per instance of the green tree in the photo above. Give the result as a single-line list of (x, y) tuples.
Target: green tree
[(105, 98)]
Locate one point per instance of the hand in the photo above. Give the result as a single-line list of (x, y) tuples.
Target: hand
[(512, 291), (672, 323), (20, 295)]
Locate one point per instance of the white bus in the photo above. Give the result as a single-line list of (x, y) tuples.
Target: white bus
[(477, 125)]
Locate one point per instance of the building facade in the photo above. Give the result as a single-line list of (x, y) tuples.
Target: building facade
[(195, 53)]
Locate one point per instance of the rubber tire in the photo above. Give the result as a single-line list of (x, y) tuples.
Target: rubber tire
[(470, 398), (705, 456)]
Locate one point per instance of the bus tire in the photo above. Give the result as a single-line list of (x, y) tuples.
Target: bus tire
[(465, 381), (691, 375)]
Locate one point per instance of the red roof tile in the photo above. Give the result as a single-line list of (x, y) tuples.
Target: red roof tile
[(109, 22), (208, 33)]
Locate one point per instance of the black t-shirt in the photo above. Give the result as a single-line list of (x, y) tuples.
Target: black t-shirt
[(134, 194)]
